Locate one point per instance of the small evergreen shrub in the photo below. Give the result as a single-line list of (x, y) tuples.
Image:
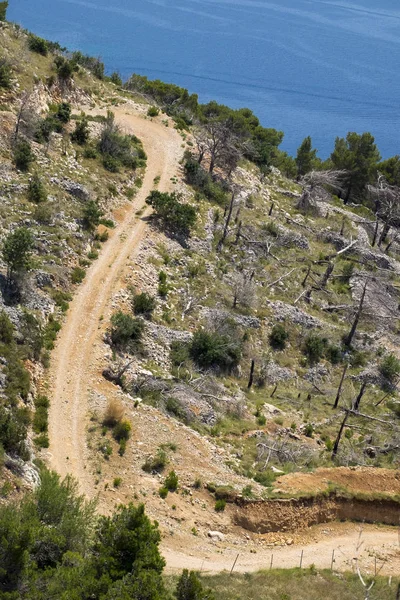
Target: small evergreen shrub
[(220, 505), (153, 111), (278, 337), (163, 492), (314, 347), (125, 330), (5, 74), (390, 367), (143, 304), (23, 155), (38, 44), (122, 431), (157, 463), (78, 275), (171, 481), (36, 190)]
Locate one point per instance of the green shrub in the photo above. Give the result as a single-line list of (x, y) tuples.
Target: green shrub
[(122, 447), (390, 367), (197, 484), (271, 228), (213, 349), (80, 135), (23, 155), (174, 407), (110, 163), (171, 481), (125, 330), (261, 420), (36, 190), (163, 287), (5, 74), (157, 463), (6, 329), (179, 352), (163, 492), (92, 214), (309, 430), (117, 482), (247, 492), (43, 213), (78, 275), (177, 217), (220, 505), (153, 111), (40, 420), (42, 440), (278, 337), (122, 431), (334, 354), (115, 78), (314, 347), (38, 44), (3, 10), (143, 304)]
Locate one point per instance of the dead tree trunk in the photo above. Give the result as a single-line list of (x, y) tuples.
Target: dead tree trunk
[(340, 386), (251, 377), (384, 233), (326, 275), (339, 436), (375, 233), (353, 329), (303, 283), (271, 208), (361, 393), (227, 222)]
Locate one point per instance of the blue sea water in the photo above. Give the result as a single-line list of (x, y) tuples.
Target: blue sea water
[(307, 67)]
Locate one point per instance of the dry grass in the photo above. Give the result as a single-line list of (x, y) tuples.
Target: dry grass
[(113, 413), (293, 584)]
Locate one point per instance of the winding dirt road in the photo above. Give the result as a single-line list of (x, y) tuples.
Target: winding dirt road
[(72, 367), (76, 364)]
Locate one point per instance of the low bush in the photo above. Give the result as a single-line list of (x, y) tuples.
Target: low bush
[(36, 190), (143, 304), (78, 275), (122, 431), (5, 74), (38, 44), (220, 505), (163, 287), (171, 481), (278, 337), (214, 349), (163, 492), (23, 155), (80, 135), (125, 330), (117, 482), (157, 463), (314, 347), (176, 217), (390, 367), (153, 111), (179, 353)]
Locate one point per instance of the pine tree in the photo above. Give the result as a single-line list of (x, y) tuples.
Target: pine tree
[(305, 157)]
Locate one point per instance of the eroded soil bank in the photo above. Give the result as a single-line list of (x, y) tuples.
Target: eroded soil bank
[(299, 513)]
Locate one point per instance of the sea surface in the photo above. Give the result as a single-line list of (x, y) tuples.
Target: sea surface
[(306, 67)]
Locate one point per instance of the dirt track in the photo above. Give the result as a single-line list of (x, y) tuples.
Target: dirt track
[(75, 373), (72, 365)]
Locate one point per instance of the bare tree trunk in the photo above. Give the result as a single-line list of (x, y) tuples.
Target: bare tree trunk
[(251, 377), (375, 233), (303, 283), (384, 233), (361, 393), (227, 222), (271, 208), (340, 386), (339, 435), (327, 274), (342, 227), (239, 229), (353, 329)]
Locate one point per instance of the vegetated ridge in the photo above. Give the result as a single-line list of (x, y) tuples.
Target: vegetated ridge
[(230, 320)]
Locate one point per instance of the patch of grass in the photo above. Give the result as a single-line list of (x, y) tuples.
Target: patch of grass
[(292, 584)]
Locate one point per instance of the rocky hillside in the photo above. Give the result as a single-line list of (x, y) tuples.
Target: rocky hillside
[(62, 176)]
